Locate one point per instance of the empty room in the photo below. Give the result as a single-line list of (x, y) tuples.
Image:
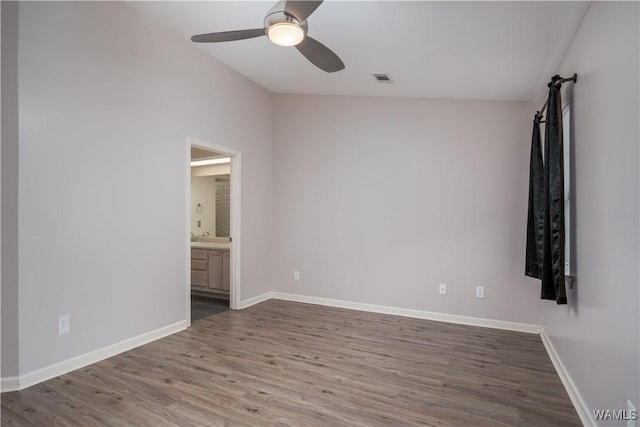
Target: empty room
[(320, 213)]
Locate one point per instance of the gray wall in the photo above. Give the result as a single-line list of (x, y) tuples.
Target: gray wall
[(107, 101), (597, 334), (9, 189), (377, 200)]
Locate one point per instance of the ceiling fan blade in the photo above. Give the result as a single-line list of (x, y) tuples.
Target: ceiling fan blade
[(301, 9), (227, 36), (320, 55)]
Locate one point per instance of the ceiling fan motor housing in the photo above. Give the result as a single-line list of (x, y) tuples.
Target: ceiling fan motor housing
[(277, 15)]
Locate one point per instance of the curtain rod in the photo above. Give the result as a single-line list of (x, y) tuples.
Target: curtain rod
[(561, 80)]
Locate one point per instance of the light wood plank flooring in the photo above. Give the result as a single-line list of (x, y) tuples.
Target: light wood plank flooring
[(285, 363)]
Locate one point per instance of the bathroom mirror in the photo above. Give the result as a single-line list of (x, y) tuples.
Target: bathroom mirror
[(210, 196), (222, 220)]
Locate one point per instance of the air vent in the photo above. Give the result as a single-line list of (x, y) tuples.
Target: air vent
[(383, 78)]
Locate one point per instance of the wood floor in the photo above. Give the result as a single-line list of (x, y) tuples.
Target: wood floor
[(285, 363)]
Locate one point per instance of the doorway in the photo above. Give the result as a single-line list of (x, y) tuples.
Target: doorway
[(213, 212)]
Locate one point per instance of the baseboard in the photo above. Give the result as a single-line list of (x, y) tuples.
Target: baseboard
[(9, 384), (576, 398), (52, 371), (255, 300), (418, 314)]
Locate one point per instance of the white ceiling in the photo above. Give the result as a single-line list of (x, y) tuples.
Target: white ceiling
[(461, 50), (199, 154)]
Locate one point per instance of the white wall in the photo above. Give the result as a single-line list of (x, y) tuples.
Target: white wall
[(9, 154), (377, 200), (107, 101), (597, 334)]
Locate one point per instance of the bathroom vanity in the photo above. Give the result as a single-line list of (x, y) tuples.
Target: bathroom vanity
[(210, 268)]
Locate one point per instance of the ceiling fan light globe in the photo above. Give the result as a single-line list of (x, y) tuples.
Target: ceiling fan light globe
[(285, 33)]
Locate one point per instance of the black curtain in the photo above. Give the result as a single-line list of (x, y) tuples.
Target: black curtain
[(545, 226), (535, 219)]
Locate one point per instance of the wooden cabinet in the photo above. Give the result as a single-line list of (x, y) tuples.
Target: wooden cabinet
[(215, 270), (226, 269), (199, 270), (210, 269)]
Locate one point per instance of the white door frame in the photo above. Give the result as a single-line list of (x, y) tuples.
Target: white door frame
[(234, 277)]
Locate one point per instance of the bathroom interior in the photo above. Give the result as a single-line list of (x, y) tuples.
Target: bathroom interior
[(210, 232)]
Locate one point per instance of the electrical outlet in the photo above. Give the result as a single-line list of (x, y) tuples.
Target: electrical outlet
[(296, 274), (63, 324), (479, 291), (442, 289)]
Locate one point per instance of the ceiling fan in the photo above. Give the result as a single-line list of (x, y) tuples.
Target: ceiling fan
[(285, 25)]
